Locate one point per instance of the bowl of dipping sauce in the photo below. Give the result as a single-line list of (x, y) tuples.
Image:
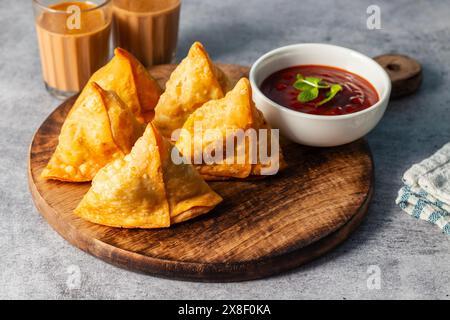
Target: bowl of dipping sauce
[(320, 95)]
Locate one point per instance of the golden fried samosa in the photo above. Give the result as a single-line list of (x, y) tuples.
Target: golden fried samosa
[(98, 129), (229, 138), (146, 189), (125, 75), (195, 81)]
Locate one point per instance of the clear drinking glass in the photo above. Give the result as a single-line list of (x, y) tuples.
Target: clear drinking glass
[(147, 28), (73, 38)]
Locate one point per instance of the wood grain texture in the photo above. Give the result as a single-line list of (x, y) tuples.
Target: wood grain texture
[(263, 227), (405, 73)]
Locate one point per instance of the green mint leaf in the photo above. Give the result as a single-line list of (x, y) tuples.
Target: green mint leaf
[(308, 95), (334, 89), (300, 85), (313, 80), (309, 87), (317, 82)]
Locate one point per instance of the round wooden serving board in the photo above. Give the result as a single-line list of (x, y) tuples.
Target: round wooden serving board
[(263, 227)]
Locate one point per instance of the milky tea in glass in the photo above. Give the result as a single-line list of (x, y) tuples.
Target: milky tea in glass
[(73, 38), (147, 28)]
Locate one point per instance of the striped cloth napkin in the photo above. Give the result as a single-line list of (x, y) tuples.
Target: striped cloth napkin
[(426, 193)]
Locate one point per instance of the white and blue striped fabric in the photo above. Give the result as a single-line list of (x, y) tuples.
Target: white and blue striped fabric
[(426, 193)]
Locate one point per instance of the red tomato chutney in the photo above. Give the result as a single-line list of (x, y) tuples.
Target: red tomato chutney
[(357, 93)]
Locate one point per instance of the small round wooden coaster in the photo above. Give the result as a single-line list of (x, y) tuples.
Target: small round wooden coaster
[(405, 73)]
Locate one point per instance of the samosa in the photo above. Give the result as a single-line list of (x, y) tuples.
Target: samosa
[(229, 138), (195, 81), (125, 75), (98, 129), (147, 189)]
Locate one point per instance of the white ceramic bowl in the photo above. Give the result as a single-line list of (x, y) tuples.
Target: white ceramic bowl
[(319, 130)]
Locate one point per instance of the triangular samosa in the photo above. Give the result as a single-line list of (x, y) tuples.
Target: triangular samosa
[(125, 75), (146, 189), (195, 81), (98, 129), (218, 124)]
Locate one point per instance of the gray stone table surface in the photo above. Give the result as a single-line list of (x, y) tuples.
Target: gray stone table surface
[(413, 256)]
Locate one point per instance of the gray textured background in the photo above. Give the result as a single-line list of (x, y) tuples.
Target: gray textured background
[(413, 256)]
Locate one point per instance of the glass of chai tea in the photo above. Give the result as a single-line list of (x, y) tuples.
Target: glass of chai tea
[(147, 28), (74, 39)]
